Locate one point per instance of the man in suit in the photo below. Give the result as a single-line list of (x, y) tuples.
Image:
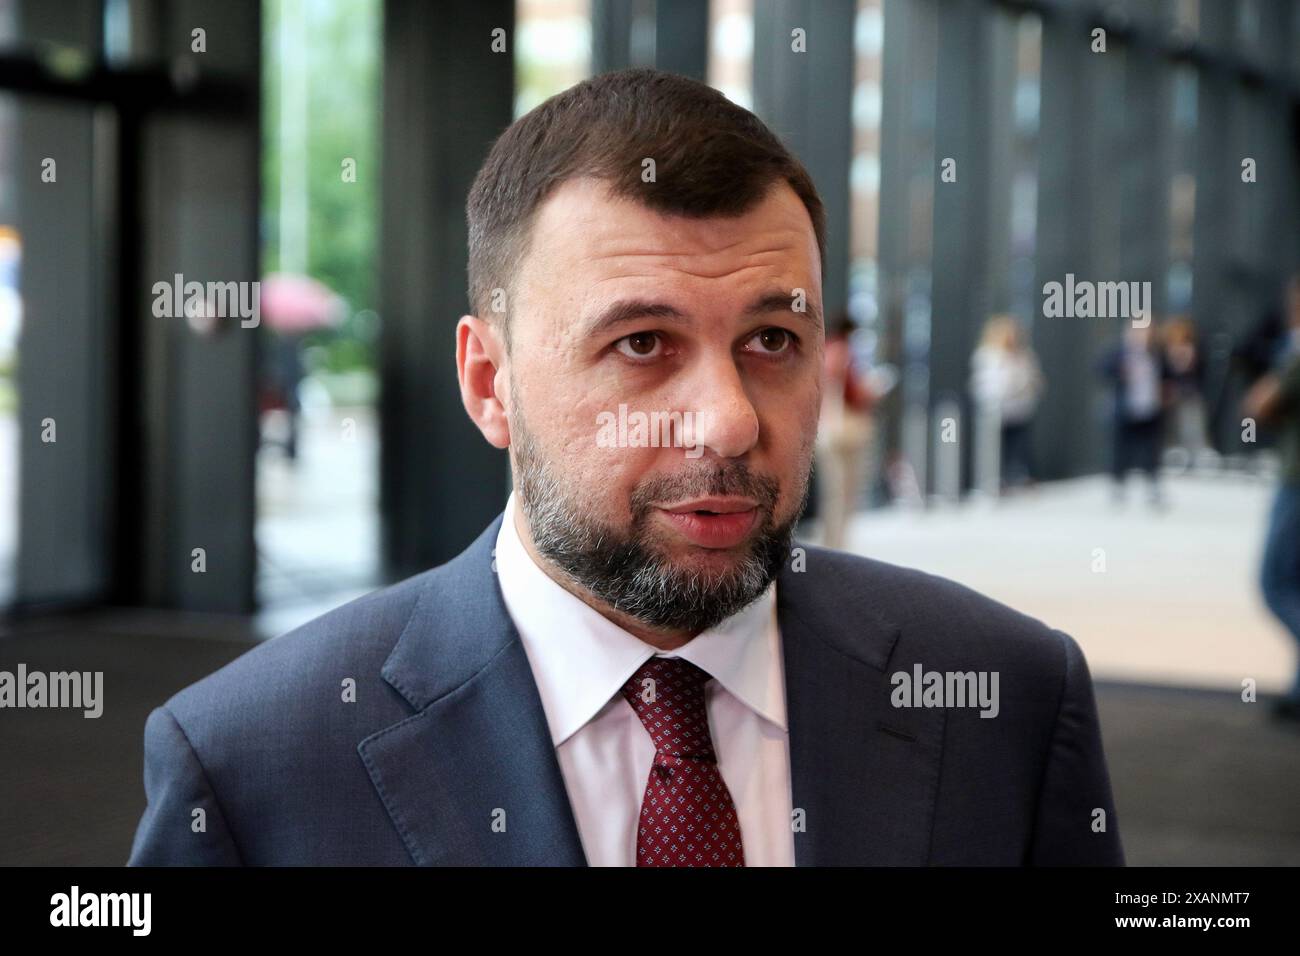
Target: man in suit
[(635, 664)]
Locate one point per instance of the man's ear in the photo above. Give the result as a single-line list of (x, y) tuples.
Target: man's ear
[(479, 358)]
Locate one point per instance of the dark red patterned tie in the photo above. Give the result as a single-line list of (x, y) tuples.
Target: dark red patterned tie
[(687, 816)]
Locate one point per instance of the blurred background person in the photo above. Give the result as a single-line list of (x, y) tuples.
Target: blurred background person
[(1138, 374), (1275, 400), (1188, 447), (1006, 384), (844, 433), (282, 374), (293, 307)]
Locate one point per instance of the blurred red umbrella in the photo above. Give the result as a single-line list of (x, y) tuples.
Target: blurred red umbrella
[(298, 303)]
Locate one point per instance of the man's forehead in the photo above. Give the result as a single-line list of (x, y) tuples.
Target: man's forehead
[(582, 221), (592, 251)]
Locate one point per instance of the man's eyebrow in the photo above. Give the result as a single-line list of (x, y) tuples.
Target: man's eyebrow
[(784, 302), (631, 310), (628, 310)]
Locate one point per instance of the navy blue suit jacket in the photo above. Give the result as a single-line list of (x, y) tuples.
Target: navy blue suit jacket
[(447, 734)]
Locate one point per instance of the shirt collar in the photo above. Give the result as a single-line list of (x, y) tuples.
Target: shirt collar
[(580, 658)]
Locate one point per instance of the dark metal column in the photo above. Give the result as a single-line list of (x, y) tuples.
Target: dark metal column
[(64, 528), (446, 97), (682, 37), (612, 25), (807, 100), (1145, 170), (907, 186), (669, 35), (1216, 287), (1067, 431), (971, 212)]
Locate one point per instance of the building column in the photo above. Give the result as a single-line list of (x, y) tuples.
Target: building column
[(806, 97), (669, 35), (447, 96), (1071, 143), (972, 205), (1217, 287), (64, 538)]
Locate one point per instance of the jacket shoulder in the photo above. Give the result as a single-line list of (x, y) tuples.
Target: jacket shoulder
[(939, 619), (304, 668)]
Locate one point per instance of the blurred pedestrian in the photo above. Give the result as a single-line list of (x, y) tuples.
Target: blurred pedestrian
[(1188, 445), (844, 433), (1138, 374), (1275, 399), (1006, 384)]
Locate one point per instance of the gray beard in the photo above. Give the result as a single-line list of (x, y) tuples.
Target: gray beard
[(623, 569)]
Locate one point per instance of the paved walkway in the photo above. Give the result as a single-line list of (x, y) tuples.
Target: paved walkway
[(318, 519), (1157, 597)]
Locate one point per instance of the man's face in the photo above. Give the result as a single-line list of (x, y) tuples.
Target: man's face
[(621, 310)]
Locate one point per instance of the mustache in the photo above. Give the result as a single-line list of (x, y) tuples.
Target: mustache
[(734, 478)]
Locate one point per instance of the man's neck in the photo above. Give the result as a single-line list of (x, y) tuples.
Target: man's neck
[(659, 639)]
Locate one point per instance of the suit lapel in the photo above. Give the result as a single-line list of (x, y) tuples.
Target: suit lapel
[(470, 778), (865, 774)]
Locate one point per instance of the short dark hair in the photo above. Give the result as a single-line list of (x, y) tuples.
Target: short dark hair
[(712, 158)]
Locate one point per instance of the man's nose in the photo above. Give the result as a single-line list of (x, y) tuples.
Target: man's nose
[(726, 421)]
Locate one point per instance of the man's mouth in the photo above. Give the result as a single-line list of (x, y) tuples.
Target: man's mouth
[(713, 522)]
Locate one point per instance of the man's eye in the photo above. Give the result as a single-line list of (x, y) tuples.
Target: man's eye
[(639, 345), (773, 340)]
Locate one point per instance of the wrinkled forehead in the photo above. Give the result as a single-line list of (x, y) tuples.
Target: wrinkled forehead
[(588, 246)]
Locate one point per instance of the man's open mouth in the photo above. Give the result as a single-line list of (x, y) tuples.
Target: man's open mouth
[(713, 524)]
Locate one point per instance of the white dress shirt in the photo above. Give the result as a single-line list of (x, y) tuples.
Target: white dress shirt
[(580, 659)]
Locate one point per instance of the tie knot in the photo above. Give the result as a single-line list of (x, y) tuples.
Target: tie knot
[(667, 694)]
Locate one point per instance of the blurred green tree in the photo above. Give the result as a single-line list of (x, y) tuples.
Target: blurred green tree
[(335, 45)]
